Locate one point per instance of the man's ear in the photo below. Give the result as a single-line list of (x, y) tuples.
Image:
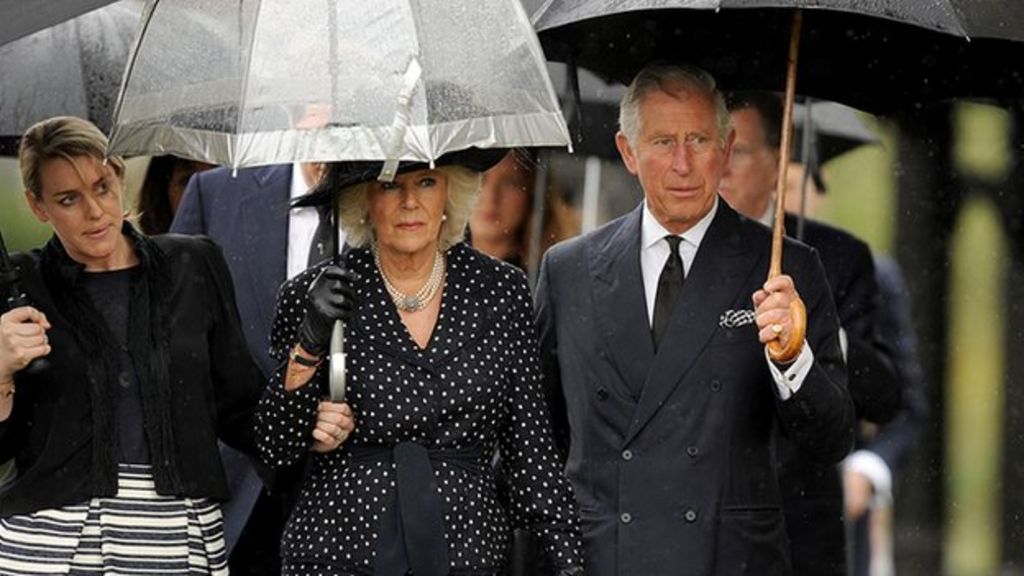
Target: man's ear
[(626, 151), (36, 206)]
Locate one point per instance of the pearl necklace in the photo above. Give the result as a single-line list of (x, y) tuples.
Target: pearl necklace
[(423, 296)]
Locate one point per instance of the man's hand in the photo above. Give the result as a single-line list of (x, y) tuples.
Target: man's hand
[(857, 494), (772, 307)]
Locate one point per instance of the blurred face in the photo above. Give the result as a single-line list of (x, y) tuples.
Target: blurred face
[(794, 187), (83, 206), (180, 173), (677, 156), (406, 214), (752, 172), (503, 207)]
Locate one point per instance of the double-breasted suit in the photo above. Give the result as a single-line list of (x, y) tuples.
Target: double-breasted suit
[(670, 452)]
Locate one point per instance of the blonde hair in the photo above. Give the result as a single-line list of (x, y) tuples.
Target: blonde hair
[(670, 78), (463, 187), (61, 137)]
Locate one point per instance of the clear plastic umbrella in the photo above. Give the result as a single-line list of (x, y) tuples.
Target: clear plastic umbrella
[(261, 82)]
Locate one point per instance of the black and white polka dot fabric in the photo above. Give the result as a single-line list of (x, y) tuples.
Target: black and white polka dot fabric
[(476, 386)]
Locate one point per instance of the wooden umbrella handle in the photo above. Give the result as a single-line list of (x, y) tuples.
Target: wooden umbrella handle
[(797, 311)]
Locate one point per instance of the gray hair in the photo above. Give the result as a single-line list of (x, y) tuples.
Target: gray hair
[(463, 187), (670, 78)]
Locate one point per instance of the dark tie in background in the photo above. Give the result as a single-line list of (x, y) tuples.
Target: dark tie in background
[(322, 245), (670, 284)]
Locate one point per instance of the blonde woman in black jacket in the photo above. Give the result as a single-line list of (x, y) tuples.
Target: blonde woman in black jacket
[(115, 440)]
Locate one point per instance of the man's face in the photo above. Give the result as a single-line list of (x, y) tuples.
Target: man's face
[(677, 156), (751, 174)]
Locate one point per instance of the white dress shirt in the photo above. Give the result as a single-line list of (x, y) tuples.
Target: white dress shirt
[(654, 251), (302, 223)]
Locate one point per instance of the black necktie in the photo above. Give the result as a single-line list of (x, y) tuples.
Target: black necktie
[(670, 284), (322, 245)]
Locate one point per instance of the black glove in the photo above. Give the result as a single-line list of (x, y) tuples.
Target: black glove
[(329, 299)]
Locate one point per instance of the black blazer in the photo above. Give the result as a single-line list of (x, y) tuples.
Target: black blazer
[(812, 494), (214, 386), (474, 388), (682, 480)]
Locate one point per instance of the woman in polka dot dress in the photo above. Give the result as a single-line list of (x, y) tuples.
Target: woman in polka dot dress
[(442, 372)]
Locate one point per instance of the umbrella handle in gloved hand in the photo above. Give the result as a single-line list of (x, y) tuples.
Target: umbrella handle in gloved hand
[(798, 318)]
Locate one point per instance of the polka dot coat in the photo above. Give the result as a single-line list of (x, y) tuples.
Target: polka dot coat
[(475, 386)]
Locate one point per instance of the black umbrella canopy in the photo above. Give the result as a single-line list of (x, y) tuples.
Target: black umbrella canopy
[(23, 17), (875, 55), (73, 68)]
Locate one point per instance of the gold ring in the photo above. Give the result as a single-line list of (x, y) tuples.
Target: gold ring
[(777, 329)]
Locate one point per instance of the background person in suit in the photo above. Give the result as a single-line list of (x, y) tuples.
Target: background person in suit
[(813, 493), (264, 243), (162, 190), (657, 364)]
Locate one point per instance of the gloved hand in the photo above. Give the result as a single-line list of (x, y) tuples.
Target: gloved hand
[(329, 298)]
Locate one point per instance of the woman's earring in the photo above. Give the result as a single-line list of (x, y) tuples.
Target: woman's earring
[(444, 217)]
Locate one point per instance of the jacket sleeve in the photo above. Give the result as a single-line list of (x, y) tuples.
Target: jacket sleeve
[(285, 420), (873, 381), (238, 382), (820, 416), (540, 498), (547, 335)]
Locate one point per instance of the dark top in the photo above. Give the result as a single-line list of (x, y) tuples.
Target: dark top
[(474, 388), (109, 292), (197, 379)]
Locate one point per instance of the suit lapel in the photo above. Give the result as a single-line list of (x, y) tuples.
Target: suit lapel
[(619, 303), (264, 215), (712, 286)]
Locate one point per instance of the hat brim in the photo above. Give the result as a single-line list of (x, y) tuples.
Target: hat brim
[(341, 175)]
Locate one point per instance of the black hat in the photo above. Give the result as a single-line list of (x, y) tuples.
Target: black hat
[(341, 175)]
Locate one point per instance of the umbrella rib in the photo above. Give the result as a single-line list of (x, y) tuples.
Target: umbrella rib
[(146, 18), (244, 90)]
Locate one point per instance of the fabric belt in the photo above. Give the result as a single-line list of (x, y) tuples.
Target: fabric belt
[(412, 533)]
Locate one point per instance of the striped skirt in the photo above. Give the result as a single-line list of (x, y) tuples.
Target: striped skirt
[(136, 532)]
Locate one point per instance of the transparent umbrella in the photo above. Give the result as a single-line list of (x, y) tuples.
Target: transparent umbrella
[(251, 83)]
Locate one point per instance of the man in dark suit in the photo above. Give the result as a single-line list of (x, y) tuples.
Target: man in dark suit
[(264, 243), (656, 362), (812, 492)]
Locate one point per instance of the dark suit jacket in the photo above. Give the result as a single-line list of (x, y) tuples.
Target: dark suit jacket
[(682, 480), (812, 494), (247, 214)]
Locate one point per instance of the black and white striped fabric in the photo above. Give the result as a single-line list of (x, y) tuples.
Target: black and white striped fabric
[(137, 532)]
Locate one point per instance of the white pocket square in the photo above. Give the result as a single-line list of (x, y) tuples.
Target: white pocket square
[(736, 318)]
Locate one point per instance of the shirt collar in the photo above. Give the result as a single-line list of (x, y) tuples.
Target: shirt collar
[(652, 231), (298, 187), (769, 215)]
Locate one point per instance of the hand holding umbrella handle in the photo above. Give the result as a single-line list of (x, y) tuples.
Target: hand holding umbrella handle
[(337, 362), (797, 312), (798, 319)]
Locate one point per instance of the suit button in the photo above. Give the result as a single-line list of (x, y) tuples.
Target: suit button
[(627, 455), (692, 451), (716, 386), (691, 516), (626, 518), (602, 394)]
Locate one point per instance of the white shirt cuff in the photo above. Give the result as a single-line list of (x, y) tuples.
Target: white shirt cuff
[(790, 381), (876, 470)]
